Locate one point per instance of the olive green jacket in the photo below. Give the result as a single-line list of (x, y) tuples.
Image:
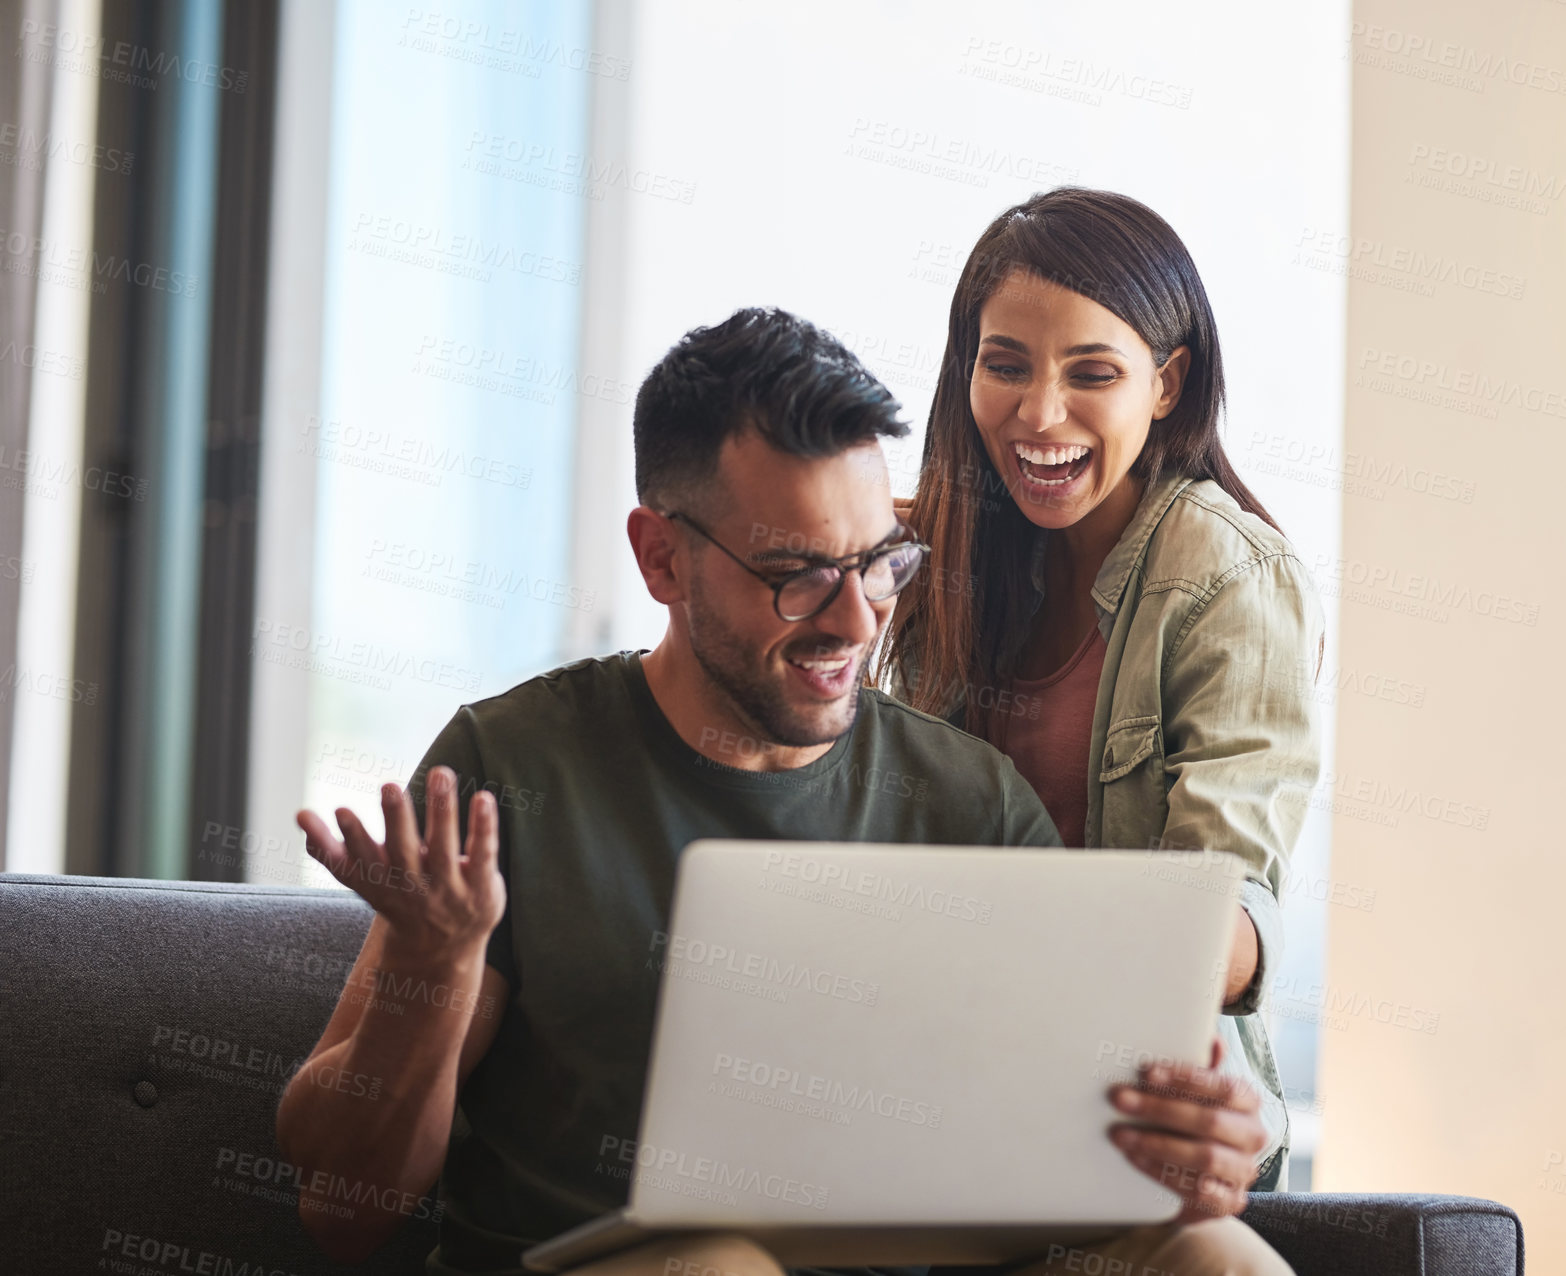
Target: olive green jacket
[(1205, 731)]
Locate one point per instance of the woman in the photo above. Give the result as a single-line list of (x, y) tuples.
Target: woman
[(1134, 631)]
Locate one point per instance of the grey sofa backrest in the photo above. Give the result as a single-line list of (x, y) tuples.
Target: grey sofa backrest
[(146, 1033)]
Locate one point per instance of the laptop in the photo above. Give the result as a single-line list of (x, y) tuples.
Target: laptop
[(900, 1054)]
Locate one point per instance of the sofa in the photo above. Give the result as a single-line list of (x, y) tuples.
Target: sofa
[(147, 1029)]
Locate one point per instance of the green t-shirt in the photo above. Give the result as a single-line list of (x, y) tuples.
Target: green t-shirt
[(597, 796)]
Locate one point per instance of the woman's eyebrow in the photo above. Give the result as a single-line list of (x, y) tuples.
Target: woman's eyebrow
[(1011, 343)]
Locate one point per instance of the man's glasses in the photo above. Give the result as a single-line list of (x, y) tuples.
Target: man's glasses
[(883, 571)]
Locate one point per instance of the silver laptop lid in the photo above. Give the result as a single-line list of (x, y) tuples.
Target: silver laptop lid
[(914, 1035)]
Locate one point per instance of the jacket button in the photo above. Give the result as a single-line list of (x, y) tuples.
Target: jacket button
[(146, 1093)]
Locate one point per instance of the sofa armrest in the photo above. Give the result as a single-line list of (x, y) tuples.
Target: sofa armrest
[(1362, 1234)]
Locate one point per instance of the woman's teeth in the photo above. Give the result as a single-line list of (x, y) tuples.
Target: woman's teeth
[(1051, 455), (1053, 465)]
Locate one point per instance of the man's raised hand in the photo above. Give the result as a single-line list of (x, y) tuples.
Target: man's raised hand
[(438, 900)]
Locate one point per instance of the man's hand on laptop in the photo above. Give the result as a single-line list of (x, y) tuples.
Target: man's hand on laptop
[(436, 902), (1207, 1130)]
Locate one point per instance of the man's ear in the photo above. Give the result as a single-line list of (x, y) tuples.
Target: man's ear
[(655, 542), (1170, 381)]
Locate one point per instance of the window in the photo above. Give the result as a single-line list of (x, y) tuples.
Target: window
[(433, 462)]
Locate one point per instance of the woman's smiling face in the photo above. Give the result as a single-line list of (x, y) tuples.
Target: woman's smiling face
[(1064, 392)]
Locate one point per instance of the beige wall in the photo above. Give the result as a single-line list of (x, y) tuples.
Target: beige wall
[(1448, 790)]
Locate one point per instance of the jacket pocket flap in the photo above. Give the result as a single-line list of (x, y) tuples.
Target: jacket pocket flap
[(1128, 745)]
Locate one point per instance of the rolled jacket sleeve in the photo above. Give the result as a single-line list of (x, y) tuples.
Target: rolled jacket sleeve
[(1242, 735)]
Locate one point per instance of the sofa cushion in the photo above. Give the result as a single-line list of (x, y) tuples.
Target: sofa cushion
[(1354, 1234), (150, 1028)]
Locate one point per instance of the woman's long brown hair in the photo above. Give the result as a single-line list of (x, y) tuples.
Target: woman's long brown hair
[(949, 642)]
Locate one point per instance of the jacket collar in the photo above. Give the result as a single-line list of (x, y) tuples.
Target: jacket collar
[(1109, 585)]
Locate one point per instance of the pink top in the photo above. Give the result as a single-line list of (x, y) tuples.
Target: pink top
[(1045, 728)]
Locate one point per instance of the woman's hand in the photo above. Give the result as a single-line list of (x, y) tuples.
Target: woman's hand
[(1207, 1130)]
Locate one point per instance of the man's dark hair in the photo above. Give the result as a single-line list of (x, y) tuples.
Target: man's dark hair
[(800, 388)]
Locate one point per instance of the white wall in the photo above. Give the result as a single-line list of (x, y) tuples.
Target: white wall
[(845, 157), (1444, 1073)]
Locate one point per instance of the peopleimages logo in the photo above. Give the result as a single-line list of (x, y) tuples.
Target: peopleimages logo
[(958, 159), (1445, 61), (800, 1085), (1405, 267), (30, 149), (131, 1254), (299, 647), (77, 51), (666, 1167), (263, 1177), (684, 953), (1437, 374), (1333, 1006), (827, 876), (1388, 586), (472, 39)]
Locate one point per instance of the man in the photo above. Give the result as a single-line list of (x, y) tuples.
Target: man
[(514, 952)]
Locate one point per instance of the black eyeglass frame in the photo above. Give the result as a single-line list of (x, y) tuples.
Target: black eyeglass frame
[(860, 562)]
